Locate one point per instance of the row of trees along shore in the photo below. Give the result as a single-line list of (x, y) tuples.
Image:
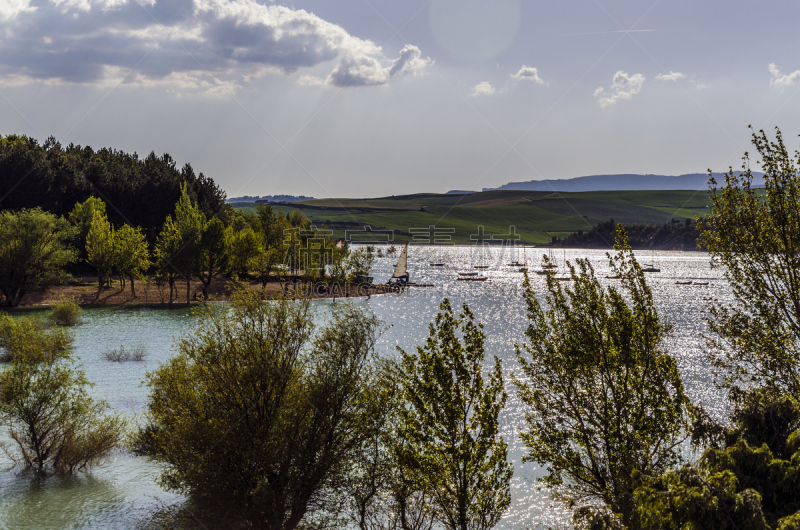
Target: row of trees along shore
[(66, 207), (268, 417)]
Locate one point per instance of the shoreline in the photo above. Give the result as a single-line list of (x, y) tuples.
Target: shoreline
[(149, 295)]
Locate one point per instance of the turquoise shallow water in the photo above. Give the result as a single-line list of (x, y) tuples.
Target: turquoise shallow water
[(124, 492)]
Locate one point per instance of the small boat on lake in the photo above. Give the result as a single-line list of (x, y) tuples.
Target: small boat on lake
[(687, 282), (472, 279), (467, 273), (437, 264)]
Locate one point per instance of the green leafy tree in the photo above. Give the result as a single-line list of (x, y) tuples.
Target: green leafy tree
[(30, 338), (211, 253), (168, 245), (748, 477), (452, 450), (51, 420), (101, 248), (178, 244), (603, 398), (81, 218), (360, 261), (34, 249), (264, 263), (132, 255), (754, 233), (259, 413), (241, 248)]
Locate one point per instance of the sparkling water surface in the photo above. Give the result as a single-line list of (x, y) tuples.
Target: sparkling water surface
[(123, 493)]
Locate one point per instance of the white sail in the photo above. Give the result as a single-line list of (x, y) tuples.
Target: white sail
[(400, 268)]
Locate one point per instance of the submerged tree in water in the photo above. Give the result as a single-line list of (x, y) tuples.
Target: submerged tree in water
[(603, 398), (52, 421), (258, 414)]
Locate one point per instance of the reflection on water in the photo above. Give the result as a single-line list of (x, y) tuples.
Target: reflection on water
[(124, 492)]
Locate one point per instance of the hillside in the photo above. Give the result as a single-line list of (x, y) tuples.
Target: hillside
[(689, 181), (536, 215)]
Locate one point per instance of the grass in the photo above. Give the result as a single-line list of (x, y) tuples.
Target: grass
[(534, 214)]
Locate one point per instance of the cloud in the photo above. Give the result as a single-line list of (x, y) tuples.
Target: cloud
[(782, 80), (623, 86), (671, 76), (309, 80), (530, 73), (483, 89), (366, 70), (183, 44)]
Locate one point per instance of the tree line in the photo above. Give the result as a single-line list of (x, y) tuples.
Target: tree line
[(270, 418), (672, 235), (37, 247)]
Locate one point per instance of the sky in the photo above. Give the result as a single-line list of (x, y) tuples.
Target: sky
[(371, 98)]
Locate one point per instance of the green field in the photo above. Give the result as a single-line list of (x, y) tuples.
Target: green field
[(535, 215)]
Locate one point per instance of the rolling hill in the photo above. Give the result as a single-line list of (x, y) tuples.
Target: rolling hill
[(536, 216)]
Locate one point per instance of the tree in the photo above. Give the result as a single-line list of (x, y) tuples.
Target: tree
[(211, 254), (101, 248), (34, 249), (178, 243), (258, 413), (360, 262), (241, 248), (51, 418), (81, 218), (450, 423), (754, 234), (132, 255), (746, 478), (29, 338), (603, 397)]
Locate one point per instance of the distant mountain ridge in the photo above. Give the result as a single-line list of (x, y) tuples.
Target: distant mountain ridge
[(629, 181)]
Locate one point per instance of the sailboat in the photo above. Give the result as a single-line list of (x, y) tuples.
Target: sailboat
[(400, 275), (482, 265), (516, 262), (651, 267), (549, 266)]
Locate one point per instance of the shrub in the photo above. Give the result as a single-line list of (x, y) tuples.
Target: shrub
[(137, 353), (28, 337), (67, 312)]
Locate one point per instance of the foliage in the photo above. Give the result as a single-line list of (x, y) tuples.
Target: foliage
[(139, 191), (67, 312), (604, 398), (360, 261), (34, 249), (51, 419), (136, 353), (752, 481), (450, 423), (29, 338), (132, 254), (259, 413), (755, 235), (211, 253), (81, 217), (241, 248), (670, 235), (101, 251)]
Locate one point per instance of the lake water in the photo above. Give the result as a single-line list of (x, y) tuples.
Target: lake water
[(123, 493)]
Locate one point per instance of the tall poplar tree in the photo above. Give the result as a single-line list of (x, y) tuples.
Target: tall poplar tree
[(452, 449)]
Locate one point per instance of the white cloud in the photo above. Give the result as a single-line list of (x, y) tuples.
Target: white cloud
[(483, 89), (671, 76), (782, 80), (700, 86), (230, 41), (623, 86), (309, 80), (366, 70), (530, 73)]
